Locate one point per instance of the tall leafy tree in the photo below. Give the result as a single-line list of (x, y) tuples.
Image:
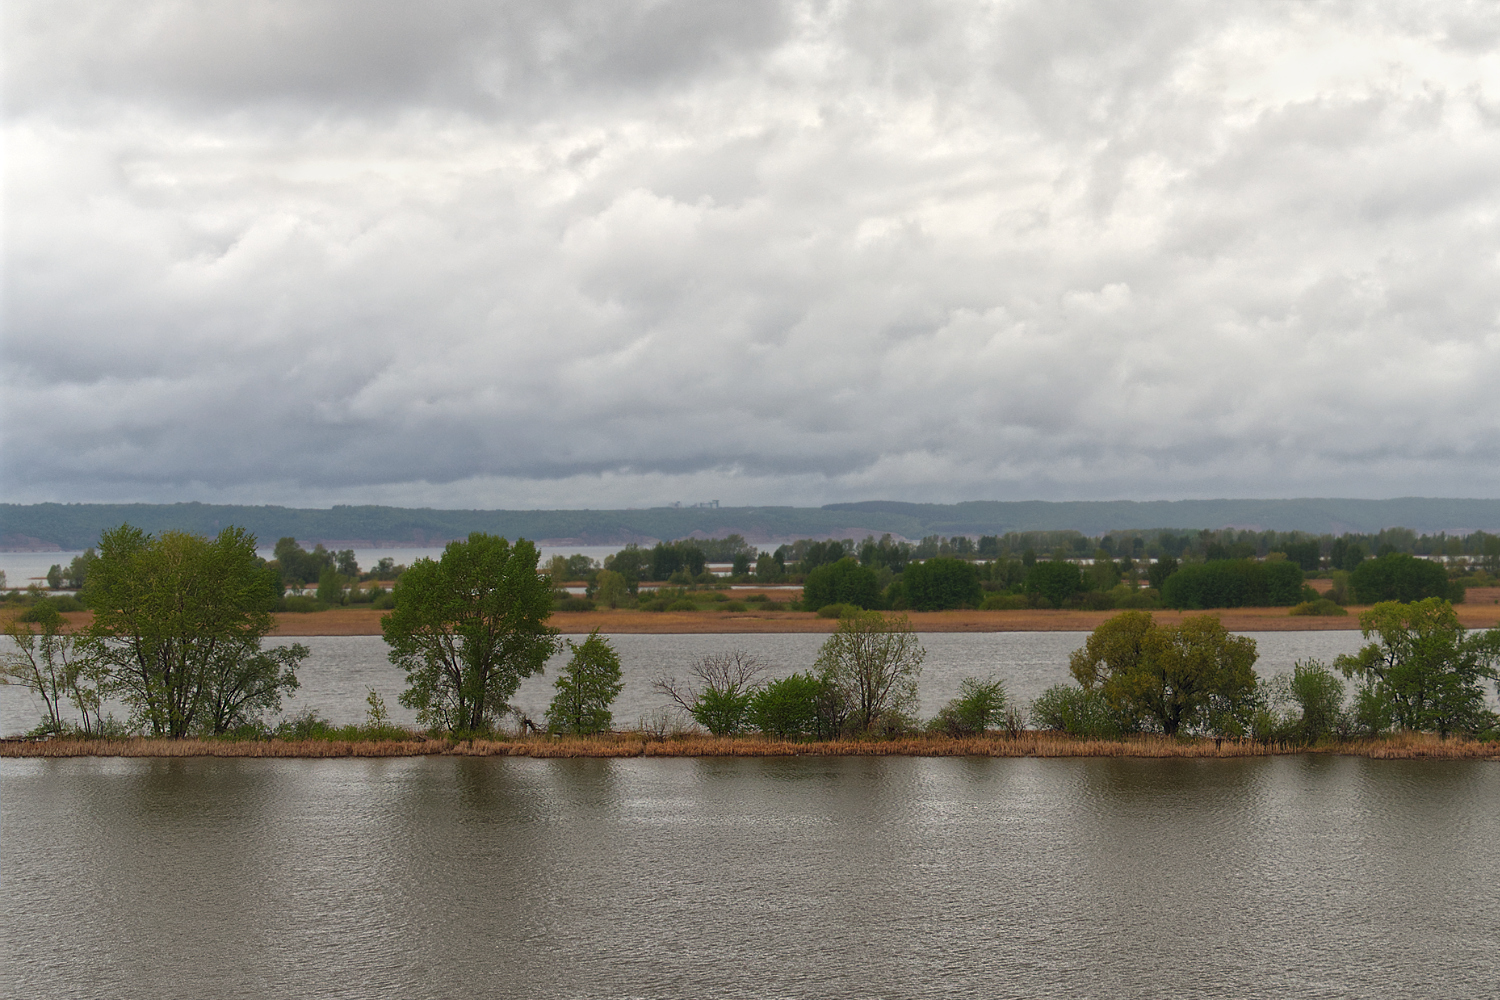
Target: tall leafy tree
[(467, 628), (1396, 577), (586, 688), (872, 662), (941, 584), (1425, 671), (1054, 582), (178, 623), (1191, 674), (842, 582)]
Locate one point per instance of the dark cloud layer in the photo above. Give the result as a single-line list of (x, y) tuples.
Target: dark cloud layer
[(598, 254)]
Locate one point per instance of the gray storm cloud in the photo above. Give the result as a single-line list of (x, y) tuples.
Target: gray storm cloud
[(607, 254)]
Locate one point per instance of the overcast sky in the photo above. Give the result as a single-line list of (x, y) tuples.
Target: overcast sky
[(609, 253)]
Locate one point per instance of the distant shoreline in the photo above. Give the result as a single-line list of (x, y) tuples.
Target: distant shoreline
[(1404, 746)]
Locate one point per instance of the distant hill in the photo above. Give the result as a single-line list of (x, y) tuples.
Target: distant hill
[(76, 526)]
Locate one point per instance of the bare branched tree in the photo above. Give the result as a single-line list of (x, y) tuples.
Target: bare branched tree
[(718, 690)]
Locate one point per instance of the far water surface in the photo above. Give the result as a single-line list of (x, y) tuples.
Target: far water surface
[(341, 670), (1312, 876)]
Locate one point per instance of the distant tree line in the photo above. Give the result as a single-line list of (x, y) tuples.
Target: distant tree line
[(179, 621)]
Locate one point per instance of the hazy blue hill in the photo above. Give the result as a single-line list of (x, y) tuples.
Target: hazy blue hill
[(78, 525)]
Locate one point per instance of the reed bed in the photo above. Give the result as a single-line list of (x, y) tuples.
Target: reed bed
[(1404, 746)]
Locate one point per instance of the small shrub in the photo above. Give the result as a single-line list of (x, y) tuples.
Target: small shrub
[(1093, 600), (1144, 599), (305, 725), (1320, 607), (736, 606), (42, 607), (683, 604), (758, 598), (1075, 711), (385, 602), (574, 603), (980, 704), (1004, 602), (837, 611), (788, 708), (299, 604)]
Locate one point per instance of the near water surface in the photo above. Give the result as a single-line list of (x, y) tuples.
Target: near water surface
[(1305, 876)]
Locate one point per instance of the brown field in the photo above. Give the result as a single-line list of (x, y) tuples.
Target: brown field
[(1407, 746), (1482, 610)]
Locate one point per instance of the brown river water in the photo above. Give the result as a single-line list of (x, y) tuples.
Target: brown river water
[(806, 877)]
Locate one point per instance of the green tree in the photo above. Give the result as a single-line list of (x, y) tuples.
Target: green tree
[(610, 588), (979, 705), (1116, 648), (1398, 577), (1160, 570), (1054, 581), (586, 688), (788, 708), (1233, 583), (941, 584), (331, 587), (77, 572), (1425, 671), (1076, 711), (872, 662), (842, 582), (467, 628), (44, 661), (55, 577), (719, 691), (1306, 553), (1194, 673), (298, 565), (178, 624), (1346, 555), (632, 563), (1319, 697)]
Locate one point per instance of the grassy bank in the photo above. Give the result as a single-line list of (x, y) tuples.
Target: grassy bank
[(366, 621), (1406, 746)]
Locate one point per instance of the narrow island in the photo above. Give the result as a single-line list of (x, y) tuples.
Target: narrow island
[(173, 629)]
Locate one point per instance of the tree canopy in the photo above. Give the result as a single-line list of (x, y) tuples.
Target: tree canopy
[(1193, 673), (1397, 576), (467, 628), (1054, 581), (1233, 583), (178, 621), (842, 582), (1425, 671), (586, 688), (872, 662), (941, 584)]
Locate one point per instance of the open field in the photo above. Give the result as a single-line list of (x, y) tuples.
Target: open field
[(1405, 746), (1482, 611)]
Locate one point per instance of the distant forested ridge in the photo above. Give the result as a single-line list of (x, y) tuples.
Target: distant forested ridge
[(77, 526)]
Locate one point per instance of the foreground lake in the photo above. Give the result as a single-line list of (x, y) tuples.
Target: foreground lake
[(875, 877)]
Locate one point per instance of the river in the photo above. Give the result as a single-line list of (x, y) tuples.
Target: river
[(1309, 876)]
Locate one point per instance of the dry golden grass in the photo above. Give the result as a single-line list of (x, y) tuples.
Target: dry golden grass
[(1027, 744), (1482, 611)]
